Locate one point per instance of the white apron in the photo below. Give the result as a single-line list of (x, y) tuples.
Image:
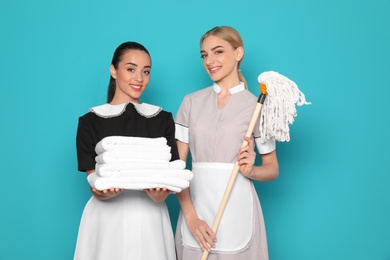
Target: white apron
[(207, 188), (129, 226)]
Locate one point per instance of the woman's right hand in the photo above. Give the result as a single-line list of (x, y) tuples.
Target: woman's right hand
[(106, 194), (202, 233)]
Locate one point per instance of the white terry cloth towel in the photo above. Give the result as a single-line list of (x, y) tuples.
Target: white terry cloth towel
[(152, 173), (137, 148), (123, 142), (175, 182), (131, 156), (110, 169)]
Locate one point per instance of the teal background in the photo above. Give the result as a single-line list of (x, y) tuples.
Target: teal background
[(331, 200)]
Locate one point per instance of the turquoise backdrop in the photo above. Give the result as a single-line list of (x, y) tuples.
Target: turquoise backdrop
[(332, 198)]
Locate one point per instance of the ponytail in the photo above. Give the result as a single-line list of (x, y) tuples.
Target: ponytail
[(242, 79)]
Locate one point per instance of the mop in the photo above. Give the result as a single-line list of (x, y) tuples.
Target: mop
[(277, 113)]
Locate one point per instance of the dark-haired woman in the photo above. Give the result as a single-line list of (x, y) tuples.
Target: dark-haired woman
[(116, 223)]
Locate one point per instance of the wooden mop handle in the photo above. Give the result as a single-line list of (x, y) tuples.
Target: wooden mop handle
[(234, 173)]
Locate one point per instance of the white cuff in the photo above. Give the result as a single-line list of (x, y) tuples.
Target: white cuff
[(266, 147), (181, 133)]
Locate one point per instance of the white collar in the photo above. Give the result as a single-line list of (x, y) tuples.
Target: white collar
[(240, 87), (108, 110)]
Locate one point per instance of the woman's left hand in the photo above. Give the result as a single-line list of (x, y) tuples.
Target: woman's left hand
[(106, 193), (158, 194), (246, 158)]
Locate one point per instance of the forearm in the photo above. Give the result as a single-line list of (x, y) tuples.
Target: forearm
[(266, 172), (269, 169), (187, 207), (199, 229), (184, 197)]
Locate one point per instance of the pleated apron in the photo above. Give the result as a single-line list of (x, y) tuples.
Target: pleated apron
[(129, 226)]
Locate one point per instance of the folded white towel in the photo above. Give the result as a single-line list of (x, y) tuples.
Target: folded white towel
[(131, 156), (181, 174), (137, 148), (109, 169), (123, 142), (173, 183)]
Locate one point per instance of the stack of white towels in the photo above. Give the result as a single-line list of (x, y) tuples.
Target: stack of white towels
[(137, 163)]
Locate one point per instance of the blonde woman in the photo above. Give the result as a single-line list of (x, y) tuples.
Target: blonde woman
[(211, 124)]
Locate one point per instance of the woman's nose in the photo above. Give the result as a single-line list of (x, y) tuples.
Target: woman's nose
[(138, 76), (209, 59)]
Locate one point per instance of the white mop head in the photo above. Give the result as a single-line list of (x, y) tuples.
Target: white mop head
[(278, 110)]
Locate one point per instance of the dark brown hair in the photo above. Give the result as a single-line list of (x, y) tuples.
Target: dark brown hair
[(117, 57)]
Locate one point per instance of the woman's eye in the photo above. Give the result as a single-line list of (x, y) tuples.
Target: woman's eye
[(202, 56), (147, 72), (218, 52), (130, 69)]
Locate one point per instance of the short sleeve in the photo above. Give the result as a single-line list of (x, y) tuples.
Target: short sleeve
[(170, 136), (266, 147), (182, 120), (85, 146)]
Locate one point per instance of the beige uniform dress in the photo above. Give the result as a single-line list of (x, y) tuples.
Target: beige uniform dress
[(215, 136)]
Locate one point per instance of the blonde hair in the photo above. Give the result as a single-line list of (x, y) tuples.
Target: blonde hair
[(230, 35)]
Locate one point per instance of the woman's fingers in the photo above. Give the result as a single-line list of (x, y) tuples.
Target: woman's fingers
[(106, 193), (249, 141), (246, 156), (210, 238), (205, 236), (158, 194), (203, 239), (247, 150)]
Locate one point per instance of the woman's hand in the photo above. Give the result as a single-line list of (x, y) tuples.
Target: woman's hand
[(158, 194), (107, 193), (246, 158), (104, 194), (202, 233)]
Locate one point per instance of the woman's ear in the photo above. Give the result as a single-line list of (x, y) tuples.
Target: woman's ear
[(113, 71), (239, 53)]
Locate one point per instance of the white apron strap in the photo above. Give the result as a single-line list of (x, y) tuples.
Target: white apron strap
[(207, 188)]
